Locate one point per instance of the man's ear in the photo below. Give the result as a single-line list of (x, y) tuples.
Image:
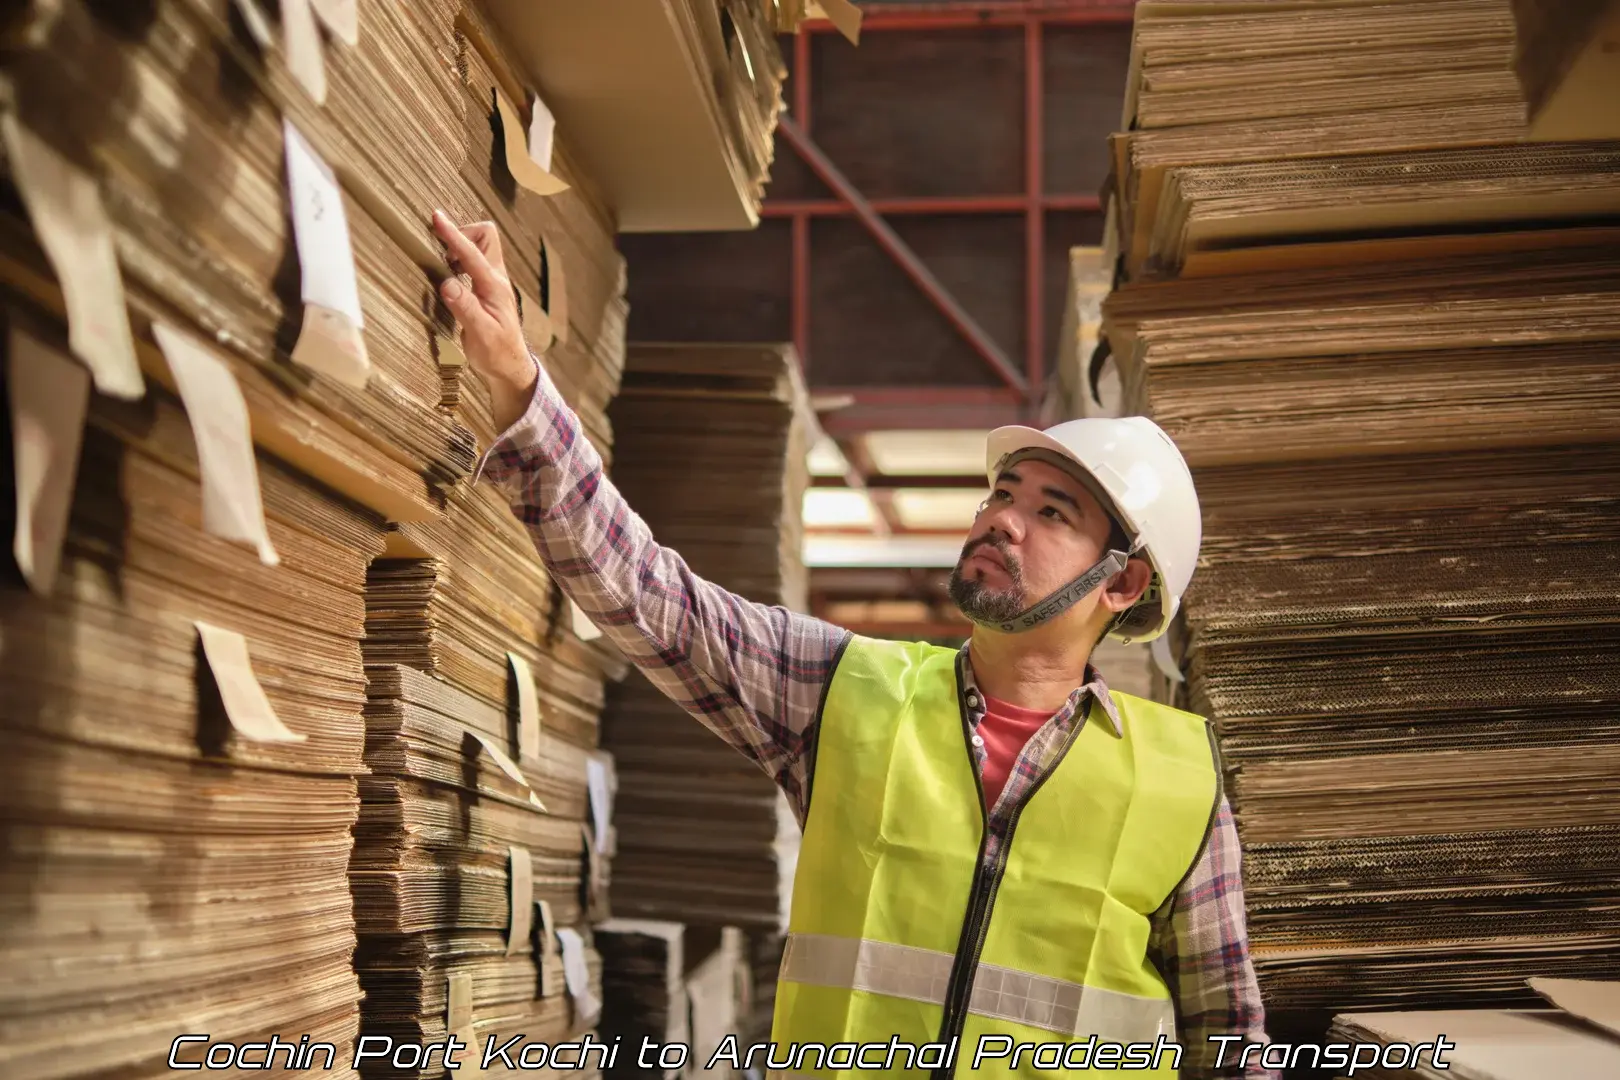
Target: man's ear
[(1126, 587)]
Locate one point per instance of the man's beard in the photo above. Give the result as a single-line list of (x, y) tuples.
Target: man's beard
[(983, 604)]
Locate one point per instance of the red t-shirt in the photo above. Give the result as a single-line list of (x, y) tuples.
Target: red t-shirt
[(1005, 729)]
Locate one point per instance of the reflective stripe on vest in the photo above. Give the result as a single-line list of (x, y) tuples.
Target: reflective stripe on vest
[(905, 926), (1067, 1008)]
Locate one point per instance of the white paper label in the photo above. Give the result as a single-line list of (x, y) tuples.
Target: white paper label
[(50, 395), (257, 23), (321, 229), (71, 222), (232, 505), (528, 707), (577, 974), (542, 130), (556, 290), (330, 339), (332, 345), (599, 783), (519, 162), (458, 1001), (506, 765), (845, 16), (584, 629), (303, 43), (342, 17), (246, 705), (520, 893)]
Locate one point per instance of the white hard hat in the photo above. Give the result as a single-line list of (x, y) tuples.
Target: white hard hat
[(1145, 484)]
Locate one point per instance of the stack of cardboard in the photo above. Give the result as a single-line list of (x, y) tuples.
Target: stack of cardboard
[(739, 58), (1304, 119), (183, 717), (216, 244), (1365, 359), (643, 990), (737, 40), (671, 984), (713, 455), (694, 86), (1381, 327), (738, 412), (467, 865), (183, 680), (1415, 688), (485, 829), (195, 163)]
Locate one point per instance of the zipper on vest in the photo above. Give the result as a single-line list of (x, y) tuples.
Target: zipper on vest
[(976, 923), (982, 897)]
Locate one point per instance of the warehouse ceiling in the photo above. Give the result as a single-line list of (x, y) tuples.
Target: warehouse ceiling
[(908, 483), (885, 518)]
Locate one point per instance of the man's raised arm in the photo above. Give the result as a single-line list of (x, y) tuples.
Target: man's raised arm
[(752, 673)]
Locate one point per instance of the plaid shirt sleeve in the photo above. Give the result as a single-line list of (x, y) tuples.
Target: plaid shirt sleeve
[(1202, 948), (751, 673)]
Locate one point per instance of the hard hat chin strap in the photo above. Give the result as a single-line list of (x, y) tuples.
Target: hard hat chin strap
[(1062, 599)]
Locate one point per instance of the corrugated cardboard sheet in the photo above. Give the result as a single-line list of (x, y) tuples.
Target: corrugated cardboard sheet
[(1382, 327), (712, 454), (225, 815)]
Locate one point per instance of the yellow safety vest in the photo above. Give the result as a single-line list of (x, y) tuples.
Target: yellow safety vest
[(904, 934)]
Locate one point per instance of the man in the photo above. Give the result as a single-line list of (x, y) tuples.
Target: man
[(998, 852)]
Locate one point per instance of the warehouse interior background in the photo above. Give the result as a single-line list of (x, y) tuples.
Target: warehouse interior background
[(304, 741)]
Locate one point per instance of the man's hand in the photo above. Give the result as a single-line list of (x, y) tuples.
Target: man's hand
[(482, 301)]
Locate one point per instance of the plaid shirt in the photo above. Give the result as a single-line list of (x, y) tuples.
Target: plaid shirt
[(753, 675)]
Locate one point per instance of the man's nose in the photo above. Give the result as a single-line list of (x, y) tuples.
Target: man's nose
[(1005, 520)]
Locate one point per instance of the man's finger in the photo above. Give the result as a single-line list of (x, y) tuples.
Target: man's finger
[(465, 306), (466, 257), (488, 239)]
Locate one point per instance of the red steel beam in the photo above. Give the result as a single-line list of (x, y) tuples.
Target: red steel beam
[(841, 531), (799, 303), (1034, 219), (888, 522), (801, 80), (933, 204), (902, 254), (920, 396), (968, 16), (919, 204), (895, 482), (1091, 203), (891, 581), (859, 418)]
